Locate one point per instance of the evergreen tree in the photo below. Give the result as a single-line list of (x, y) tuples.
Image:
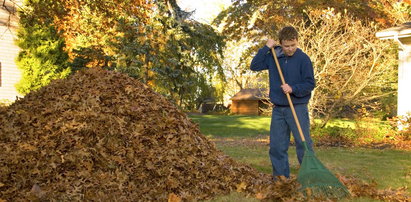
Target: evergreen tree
[(42, 57)]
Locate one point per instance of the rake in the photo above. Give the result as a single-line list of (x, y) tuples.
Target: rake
[(315, 179)]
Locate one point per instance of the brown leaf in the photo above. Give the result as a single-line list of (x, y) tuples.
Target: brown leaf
[(260, 196), (173, 198), (241, 187), (36, 190)]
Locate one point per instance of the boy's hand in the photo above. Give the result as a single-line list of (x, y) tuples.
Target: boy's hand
[(286, 88), (270, 43)]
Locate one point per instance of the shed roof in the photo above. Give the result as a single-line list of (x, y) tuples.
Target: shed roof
[(249, 94), (401, 31)]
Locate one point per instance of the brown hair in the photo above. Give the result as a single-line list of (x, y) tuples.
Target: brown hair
[(288, 33)]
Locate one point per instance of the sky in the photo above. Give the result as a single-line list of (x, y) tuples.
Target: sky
[(205, 10)]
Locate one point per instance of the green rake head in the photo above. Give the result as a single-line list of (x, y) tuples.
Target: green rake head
[(318, 181)]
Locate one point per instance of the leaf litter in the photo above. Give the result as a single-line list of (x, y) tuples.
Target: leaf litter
[(101, 135)]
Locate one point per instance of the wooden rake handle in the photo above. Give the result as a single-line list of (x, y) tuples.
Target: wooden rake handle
[(288, 96)]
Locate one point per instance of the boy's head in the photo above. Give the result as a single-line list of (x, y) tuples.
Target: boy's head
[(288, 37), (288, 33)]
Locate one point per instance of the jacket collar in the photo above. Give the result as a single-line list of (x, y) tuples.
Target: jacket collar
[(280, 53)]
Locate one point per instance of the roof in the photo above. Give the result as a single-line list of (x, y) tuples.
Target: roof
[(8, 14), (249, 94), (401, 31)]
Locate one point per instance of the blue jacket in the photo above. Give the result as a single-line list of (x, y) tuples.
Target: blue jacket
[(297, 70)]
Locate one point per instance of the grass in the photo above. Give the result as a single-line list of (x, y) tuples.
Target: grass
[(256, 156), (388, 168), (248, 126), (232, 126), (239, 127)]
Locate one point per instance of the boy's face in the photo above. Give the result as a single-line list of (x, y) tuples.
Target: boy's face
[(289, 46)]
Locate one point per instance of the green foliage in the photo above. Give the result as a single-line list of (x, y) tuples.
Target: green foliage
[(335, 134), (361, 132), (153, 41), (179, 83), (42, 57), (158, 43), (175, 56)]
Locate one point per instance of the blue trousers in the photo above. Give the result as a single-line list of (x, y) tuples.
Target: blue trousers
[(282, 123)]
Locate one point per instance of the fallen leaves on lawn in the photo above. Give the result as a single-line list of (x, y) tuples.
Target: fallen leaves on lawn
[(101, 135), (359, 188)]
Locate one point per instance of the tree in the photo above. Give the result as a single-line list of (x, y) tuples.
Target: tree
[(42, 58), (236, 67), (150, 40), (169, 59), (258, 18), (353, 67)]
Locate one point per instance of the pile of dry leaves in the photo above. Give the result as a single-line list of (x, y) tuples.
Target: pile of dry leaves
[(101, 135)]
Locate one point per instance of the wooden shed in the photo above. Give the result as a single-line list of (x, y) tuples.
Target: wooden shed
[(248, 102), (9, 73)]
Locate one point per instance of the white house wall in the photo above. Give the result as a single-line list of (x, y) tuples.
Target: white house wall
[(404, 81), (9, 73), (402, 35)]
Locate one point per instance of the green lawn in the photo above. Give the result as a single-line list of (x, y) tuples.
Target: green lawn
[(236, 126), (388, 168), (232, 126)]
